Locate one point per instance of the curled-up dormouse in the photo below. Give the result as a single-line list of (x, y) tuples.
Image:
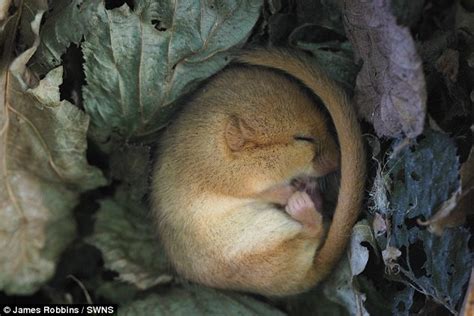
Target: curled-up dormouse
[(233, 204)]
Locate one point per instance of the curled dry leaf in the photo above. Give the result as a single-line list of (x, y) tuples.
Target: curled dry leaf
[(358, 253), (390, 256), (390, 88), (452, 212), (379, 225), (378, 193), (341, 287), (445, 216), (43, 169)]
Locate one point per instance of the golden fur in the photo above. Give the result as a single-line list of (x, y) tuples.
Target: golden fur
[(224, 171)]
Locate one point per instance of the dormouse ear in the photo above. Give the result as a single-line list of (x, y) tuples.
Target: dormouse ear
[(238, 133)]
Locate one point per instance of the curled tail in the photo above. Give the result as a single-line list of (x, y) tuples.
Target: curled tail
[(348, 131)]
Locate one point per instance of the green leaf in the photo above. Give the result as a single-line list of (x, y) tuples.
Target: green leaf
[(338, 64), (131, 167), (379, 296), (66, 22), (403, 301), (137, 63), (123, 230), (424, 175), (43, 169), (314, 302), (116, 292), (28, 11), (197, 301), (128, 247)]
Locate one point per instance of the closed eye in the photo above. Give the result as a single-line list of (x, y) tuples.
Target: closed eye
[(308, 139)]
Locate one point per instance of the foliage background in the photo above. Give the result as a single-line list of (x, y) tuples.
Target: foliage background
[(86, 86)]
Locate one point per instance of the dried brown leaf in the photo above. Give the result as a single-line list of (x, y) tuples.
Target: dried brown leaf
[(43, 167), (390, 88), (4, 6), (452, 212)]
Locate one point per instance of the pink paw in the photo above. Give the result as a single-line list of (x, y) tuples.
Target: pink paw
[(310, 186), (301, 207)]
